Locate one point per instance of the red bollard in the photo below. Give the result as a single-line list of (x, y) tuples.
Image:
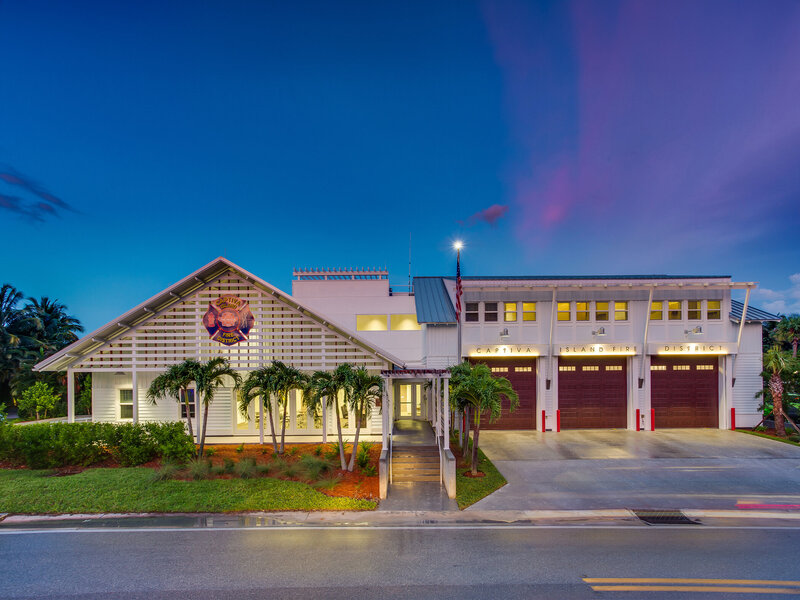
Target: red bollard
[(543, 421), (638, 419), (558, 420), (733, 419), (652, 419)]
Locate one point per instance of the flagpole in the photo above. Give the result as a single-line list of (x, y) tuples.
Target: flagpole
[(458, 323), (458, 245)]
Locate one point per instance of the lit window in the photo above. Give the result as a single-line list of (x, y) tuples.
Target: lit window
[(523, 369), (471, 315), (705, 367), (581, 311), (301, 417), (404, 323), (675, 310), (601, 311), (566, 368), (693, 310), (590, 368), (658, 367), (490, 312), (191, 404), (657, 310), (372, 323), (126, 404), (510, 313), (620, 311), (613, 367), (681, 367), (499, 369), (529, 311), (713, 309), (564, 311)]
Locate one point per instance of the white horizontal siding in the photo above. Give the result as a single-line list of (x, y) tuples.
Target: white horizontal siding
[(220, 413), (105, 395), (748, 383)]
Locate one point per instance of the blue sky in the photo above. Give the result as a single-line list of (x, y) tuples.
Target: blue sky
[(138, 141)]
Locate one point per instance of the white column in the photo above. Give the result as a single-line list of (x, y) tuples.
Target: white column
[(385, 413), (446, 406), (70, 396), (135, 386)]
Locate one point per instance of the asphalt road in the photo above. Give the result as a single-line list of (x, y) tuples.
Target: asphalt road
[(354, 563)]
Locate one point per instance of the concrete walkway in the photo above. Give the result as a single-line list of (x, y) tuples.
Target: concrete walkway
[(413, 433), (668, 469)]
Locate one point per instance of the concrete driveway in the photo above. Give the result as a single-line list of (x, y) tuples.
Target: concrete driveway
[(667, 469)]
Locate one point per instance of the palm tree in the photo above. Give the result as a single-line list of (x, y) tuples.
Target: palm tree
[(329, 384), (287, 378), (17, 338), (788, 330), (56, 328), (260, 384), (321, 385), (343, 378), (777, 362), (484, 393), (209, 377), (460, 399), (366, 390), (175, 382)]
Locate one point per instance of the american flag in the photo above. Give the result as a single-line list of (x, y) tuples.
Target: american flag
[(459, 288)]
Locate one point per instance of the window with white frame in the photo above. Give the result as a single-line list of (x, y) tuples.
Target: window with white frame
[(657, 310), (190, 398), (581, 311), (675, 310), (714, 309), (471, 312), (601, 311), (126, 404), (564, 311), (510, 312), (620, 311), (529, 311), (694, 311), (490, 312)]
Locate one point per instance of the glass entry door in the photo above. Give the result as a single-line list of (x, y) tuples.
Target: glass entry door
[(248, 423), (410, 401)]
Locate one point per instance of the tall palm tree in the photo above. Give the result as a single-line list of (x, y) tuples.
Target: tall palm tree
[(343, 378), (56, 328), (17, 338), (484, 393), (321, 385), (776, 361), (260, 384), (209, 377), (460, 398), (287, 378), (788, 331), (366, 390), (175, 382), (329, 384)]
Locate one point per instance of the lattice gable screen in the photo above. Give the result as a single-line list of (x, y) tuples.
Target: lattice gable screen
[(280, 333)]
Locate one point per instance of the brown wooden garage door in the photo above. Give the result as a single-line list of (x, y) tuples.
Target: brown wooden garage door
[(684, 392), (521, 372), (592, 393)]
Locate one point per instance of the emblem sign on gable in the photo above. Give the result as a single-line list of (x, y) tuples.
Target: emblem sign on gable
[(228, 320)]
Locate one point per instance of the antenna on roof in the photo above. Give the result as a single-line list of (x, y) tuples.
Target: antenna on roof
[(409, 261)]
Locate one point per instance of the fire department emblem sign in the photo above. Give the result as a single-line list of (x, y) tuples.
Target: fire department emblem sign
[(228, 320)]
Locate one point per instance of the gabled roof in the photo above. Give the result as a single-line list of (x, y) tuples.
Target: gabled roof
[(433, 301), (118, 327), (754, 315)]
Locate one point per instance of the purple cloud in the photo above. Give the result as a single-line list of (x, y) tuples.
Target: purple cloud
[(36, 209), (489, 215), (684, 115)]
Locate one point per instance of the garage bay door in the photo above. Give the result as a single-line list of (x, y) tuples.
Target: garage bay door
[(684, 392), (592, 393), (521, 372)]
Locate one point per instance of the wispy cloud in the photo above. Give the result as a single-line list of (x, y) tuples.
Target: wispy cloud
[(489, 215), (785, 301), (37, 203), (671, 126)]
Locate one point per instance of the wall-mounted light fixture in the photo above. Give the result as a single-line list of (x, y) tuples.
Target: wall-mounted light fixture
[(599, 331), (504, 335), (697, 329)]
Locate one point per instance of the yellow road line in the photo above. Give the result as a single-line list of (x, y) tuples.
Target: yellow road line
[(690, 581), (695, 588)]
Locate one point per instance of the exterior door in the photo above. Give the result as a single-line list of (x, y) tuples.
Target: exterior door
[(247, 423), (521, 372), (593, 393), (410, 401), (684, 391)]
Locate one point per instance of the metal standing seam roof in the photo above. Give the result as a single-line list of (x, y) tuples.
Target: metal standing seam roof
[(433, 301), (754, 315)]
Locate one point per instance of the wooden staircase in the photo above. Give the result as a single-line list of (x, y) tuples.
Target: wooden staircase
[(415, 463)]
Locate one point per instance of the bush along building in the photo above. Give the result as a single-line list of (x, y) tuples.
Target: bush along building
[(632, 352)]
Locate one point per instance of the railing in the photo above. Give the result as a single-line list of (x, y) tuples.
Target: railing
[(390, 455)]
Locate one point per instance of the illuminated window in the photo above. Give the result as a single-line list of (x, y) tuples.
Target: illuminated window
[(510, 313), (371, 323), (613, 367), (301, 417), (566, 368), (191, 404), (564, 311), (471, 314), (529, 311), (126, 404), (713, 309), (523, 369), (404, 323), (705, 367), (675, 310), (657, 310), (658, 367), (499, 369), (581, 311), (601, 311), (693, 310), (590, 368), (490, 312), (681, 367), (620, 311)]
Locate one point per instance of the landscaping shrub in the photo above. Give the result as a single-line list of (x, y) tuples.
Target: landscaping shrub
[(49, 445), (362, 457), (246, 468), (369, 470), (229, 465), (166, 472), (314, 466), (199, 468), (210, 451), (327, 483)]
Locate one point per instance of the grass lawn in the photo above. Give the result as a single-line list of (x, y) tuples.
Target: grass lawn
[(471, 489), (790, 439), (133, 490)]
